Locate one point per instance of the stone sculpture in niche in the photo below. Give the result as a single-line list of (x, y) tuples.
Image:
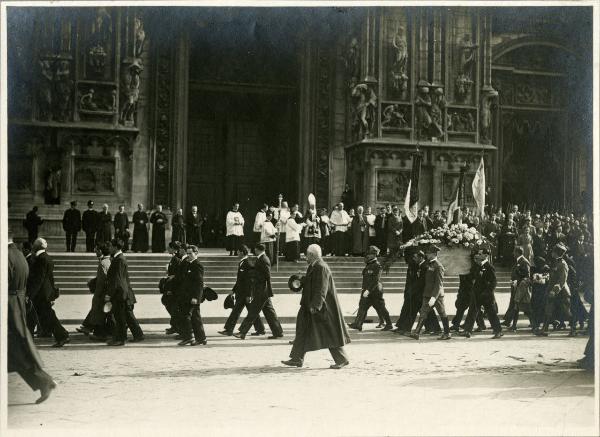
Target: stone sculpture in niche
[(438, 105), (364, 110), (87, 101), (100, 37), (394, 116), (352, 62), (400, 46), (488, 98), (464, 80), (131, 87), (423, 109), (63, 87), (45, 90), (140, 38)]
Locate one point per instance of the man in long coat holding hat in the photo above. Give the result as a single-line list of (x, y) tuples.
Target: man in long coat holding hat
[(320, 323)]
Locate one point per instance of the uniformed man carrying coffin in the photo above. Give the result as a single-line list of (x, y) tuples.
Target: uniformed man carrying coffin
[(372, 292), (433, 294)]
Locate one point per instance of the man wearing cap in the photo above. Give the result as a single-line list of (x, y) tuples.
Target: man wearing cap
[(559, 295), (71, 223), (433, 293), (484, 284), (320, 322), (89, 222), (372, 292)]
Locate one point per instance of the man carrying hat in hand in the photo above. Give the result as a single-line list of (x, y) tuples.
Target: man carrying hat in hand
[(372, 292), (433, 294)]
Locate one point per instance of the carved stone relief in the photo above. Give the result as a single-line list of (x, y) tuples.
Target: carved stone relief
[(391, 185), (395, 116), (462, 120), (364, 111)]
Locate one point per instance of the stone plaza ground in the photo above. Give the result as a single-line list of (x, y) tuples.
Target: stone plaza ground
[(519, 385)]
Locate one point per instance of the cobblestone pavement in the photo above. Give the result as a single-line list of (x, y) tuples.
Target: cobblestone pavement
[(518, 385)]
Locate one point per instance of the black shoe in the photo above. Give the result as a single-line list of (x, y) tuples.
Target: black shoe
[(466, 334), (45, 392), (380, 325), (170, 331), (273, 337), (506, 323), (94, 337), (184, 342), (291, 342), (61, 343), (478, 329), (445, 337), (240, 335), (84, 330), (498, 335), (226, 332), (292, 363), (196, 343), (138, 339), (414, 335), (454, 328), (115, 343), (387, 328), (256, 334), (179, 337), (339, 366), (353, 326)]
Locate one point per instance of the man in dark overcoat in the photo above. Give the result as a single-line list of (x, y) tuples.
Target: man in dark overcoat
[(159, 221), (89, 221), (241, 292), (121, 223), (166, 286), (193, 286), (71, 223), (320, 322), (43, 292), (22, 355), (32, 223), (261, 301), (193, 224), (122, 297), (140, 230), (104, 234)]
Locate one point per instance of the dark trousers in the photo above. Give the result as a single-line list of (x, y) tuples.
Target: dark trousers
[(35, 377), (49, 321), (120, 234), (168, 300), (240, 304), (509, 314), (192, 322), (462, 305), (292, 251), (90, 241), (302, 331), (124, 318), (31, 318), (377, 302), (71, 241), (270, 251), (339, 243), (254, 309), (490, 308)]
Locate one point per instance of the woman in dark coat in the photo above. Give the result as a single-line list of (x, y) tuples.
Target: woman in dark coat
[(320, 322), (22, 356), (140, 230), (159, 221), (178, 226)]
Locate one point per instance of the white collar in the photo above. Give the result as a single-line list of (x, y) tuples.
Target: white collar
[(184, 257), (483, 262), (40, 251), (421, 263), (117, 253), (520, 256), (103, 257)]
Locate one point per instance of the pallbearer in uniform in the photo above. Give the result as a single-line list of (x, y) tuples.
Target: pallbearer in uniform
[(433, 294), (178, 227), (234, 223), (72, 225), (140, 230), (484, 284), (159, 221), (104, 234), (268, 236), (372, 292), (193, 286), (22, 355), (193, 223), (89, 222), (121, 223)]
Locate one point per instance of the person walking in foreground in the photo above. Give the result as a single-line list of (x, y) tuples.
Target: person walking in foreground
[(320, 323), (22, 356), (433, 294)]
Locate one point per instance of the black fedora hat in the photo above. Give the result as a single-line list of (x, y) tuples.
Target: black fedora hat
[(296, 282), (209, 294), (229, 302)]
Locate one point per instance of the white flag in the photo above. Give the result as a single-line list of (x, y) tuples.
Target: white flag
[(411, 213), (479, 188)]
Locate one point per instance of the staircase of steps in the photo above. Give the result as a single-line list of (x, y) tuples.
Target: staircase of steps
[(72, 271)]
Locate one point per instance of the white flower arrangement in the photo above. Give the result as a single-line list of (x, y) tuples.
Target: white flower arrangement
[(453, 235)]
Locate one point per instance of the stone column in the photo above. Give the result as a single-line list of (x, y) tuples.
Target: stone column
[(180, 120), (306, 131)]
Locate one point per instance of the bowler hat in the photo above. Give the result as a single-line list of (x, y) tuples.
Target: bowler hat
[(209, 294), (296, 282), (229, 302), (432, 248)]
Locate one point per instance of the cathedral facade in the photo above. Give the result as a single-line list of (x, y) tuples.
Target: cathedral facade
[(210, 106)]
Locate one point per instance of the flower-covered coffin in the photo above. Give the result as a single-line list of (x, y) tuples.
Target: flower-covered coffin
[(456, 243)]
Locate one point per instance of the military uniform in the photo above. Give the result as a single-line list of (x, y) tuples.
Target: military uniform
[(371, 276)]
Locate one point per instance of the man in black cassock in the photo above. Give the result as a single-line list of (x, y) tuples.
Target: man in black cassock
[(121, 223), (193, 223), (159, 221), (89, 221), (22, 355), (140, 230), (32, 222), (104, 234), (71, 223)]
